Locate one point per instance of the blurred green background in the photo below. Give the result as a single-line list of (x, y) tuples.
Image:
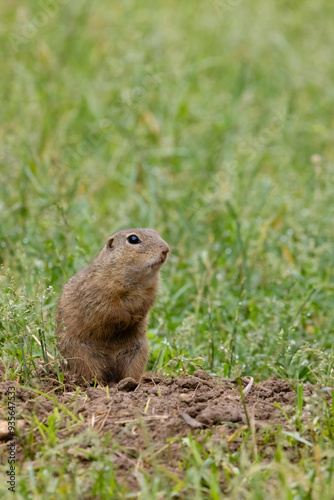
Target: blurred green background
[(211, 122)]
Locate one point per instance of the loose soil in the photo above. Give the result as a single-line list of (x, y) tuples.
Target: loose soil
[(144, 416)]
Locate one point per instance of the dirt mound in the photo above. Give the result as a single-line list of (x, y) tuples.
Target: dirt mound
[(170, 407), (145, 414)]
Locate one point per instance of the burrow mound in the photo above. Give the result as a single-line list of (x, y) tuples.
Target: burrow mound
[(145, 422), (165, 408)]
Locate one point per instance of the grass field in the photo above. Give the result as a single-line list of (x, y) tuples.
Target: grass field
[(213, 123)]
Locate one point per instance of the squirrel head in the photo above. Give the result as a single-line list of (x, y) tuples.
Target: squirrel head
[(135, 256)]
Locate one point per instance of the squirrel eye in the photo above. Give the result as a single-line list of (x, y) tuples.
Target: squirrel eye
[(133, 239)]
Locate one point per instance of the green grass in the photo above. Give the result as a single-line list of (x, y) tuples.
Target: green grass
[(213, 123)]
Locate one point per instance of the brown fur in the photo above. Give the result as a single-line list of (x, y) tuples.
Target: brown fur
[(102, 312)]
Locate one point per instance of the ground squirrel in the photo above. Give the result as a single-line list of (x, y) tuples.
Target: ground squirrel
[(102, 311)]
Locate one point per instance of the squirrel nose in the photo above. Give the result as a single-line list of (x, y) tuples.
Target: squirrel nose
[(165, 250)]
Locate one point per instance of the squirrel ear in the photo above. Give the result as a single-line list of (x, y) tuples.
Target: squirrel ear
[(109, 243)]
